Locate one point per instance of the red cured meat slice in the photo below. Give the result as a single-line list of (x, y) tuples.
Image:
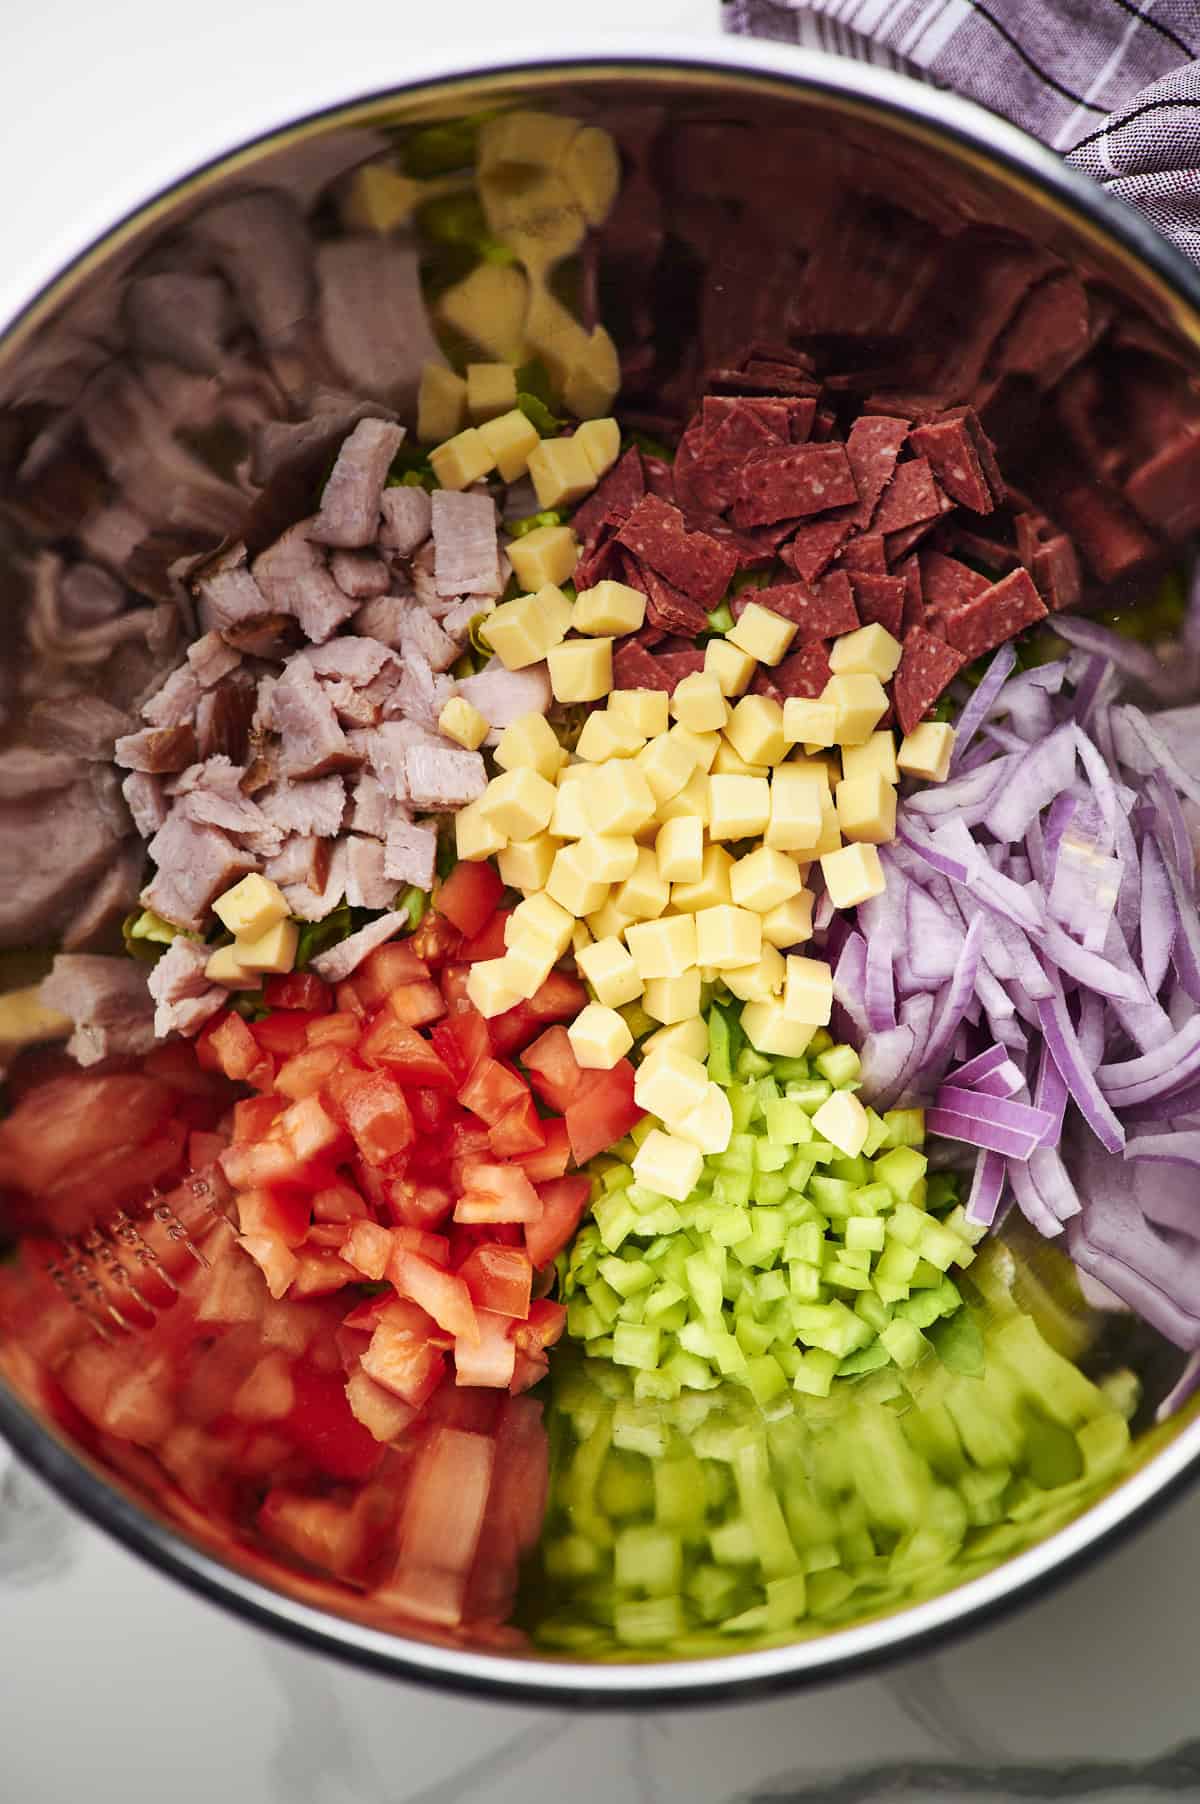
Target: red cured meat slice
[(814, 547), (1107, 531), (787, 379), (670, 609), (914, 612), (879, 599), (693, 561), (678, 664), (769, 411), (823, 612), (803, 673), (865, 553), (911, 498), (603, 560), (636, 668), (660, 477), (1056, 573), (824, 423), (906, 404), (791, 483), (648, 635), (897, 545), (995, 615), (926, 666), (873, 445), (993, 554), (1165, 489), (614, 497), (719, 459), (947, 583), (763, 683), (949, 446)]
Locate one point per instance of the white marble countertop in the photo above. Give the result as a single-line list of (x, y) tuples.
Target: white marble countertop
[(115, 1683)]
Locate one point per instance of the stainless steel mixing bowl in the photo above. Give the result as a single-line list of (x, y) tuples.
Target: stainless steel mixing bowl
[(754, 133)]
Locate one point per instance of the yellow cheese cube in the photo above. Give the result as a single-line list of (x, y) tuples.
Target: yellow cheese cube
[(379, 198), (569, 820), (669, 1084), (608, 922), (755, 730), (491, 390), (701, 748), (600, 441), (572, 883), (859, 703), (877, 754), (609, 968), (830, 837), (729, 763), (541, 917), (522, 631), (581, 669), (462, 460), (463, 723), (727, 936), (663, 948), (609, 607), (529, 962), (808, 990), (490, 306), (794, 824), (476, 837), (273, 950), (526, 864), (759, 981), (764, 878), (644, 894), (766, 636), (548, 554), (609, 857), (679, 849), (824, 771), (519, 803), (842, 1120), (732, 667), (853, 875), (226, 968), (580, 937), (616, 798), (591, 168), (492, 986), (684, 1036), (699, 703), (691, 802), (738, 807), (599, 1037), (866, 808), (441, 403), (668, 1165), (531, 741), (671, 999), (790, 923), (604, 737), (561, 471), (712, 887), (709, 1125), (666, 766), (645, 710), (510, 438), (926, 751), (251, 906), (871, 651), (591, 379), (769, 1030), (809, 723)]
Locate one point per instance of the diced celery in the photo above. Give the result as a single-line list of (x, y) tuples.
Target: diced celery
[(834, 1196), (895, 1265), (787, 1600), (888, 1290), (821, 1041), (655, 1387), (905, 1127), (804, 1241), (765, 1379), (625, 1488), (662, 1298), (799, 1172), (816, 1373), (571, 1557), (804, 1282), (633, 1309), (873, 1199), (875, 1314), (771, 1287), (665, 1219), (788, 1123), (841, 1065), (866, 1359), (704, 1284), (741, 1106), (1053, 1382), (851, 1171), (769, 1189), (771, 1156), (641, 1129), (626, 1275), (639, 1429), (857, 1258), (906, 1224), (903, 1171), (648, 1558), (970, 1231), (649, 1622), (904, 1342), (1103, 1444), (864, 1233), (752, 1337), (789, 1071), (925, 1275), (692, 1373), (642, 1198), (942, 1247), (810, 1093), (1123, 1390), (617, 1177), (728, 1225), (724, 1039), (752, 1064), (845, 1277), (713, 1590), (876, 1134), (730, 1359), (733, 1188), (921, 1310), (636, 1346), (616, 1218), (583, 1322)]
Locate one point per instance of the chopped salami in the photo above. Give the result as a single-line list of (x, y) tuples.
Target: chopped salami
[(995, 615), (1106, 530), (823, 426), (813, 548), (636, 668), (670, 609), (927, 665), (865, 552), (950, 445), (910, 499), (693, 561), (1165, 489), (614, 497), (1056, 573), (676, 665), (784, 378), (873, 446), (803, 673), (947, 583), (770, 411), (914, 611), (993, 554), (879, 599), (602, 561), (763, 683), (821, 612), (897, 545), (793, 482), (716, 471)]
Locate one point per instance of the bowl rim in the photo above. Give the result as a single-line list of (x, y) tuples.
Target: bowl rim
[(993, 144)]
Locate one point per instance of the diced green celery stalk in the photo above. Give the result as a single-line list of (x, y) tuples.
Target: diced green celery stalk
[(874, 1313), (903, 1171), (583, 1323), (867, 1359), (727, 1226), (636, 1346), (1051, 1381), (637, 1020), (604, 1301), (921, 1310), (713, 1590), (693, 1374), (733, 1188), (787, 1600), (799, 1172), (772, 1287), (665, 1218), (873, 1199), (876, 1134), (600, 1349), (648, 1622), (970, 1231), (704, 1284), (655, 1387), (732, 1543), (788, 1123), (888, 1290), (760, 1507), (730, 1359), (664, 1296), (765, 1090), (840, 1065), (834, 1195), (857, 1258), (648, 1558), (679, 1495), (851, 1171), (638, 1429), (804, 1282), (1103, 1444), (942, 1247), (906, 1224), (810, 1093), (845, 1277), (751, 1064), (571, 1557), (864, 1233), (925, 1275), (771, 1156), (1052, 1454), (804, 1241), (615, 1217), (816, 1373), (986, 1413), (769, 1189), (905, 1127), (626, 1276), (905, 1342)]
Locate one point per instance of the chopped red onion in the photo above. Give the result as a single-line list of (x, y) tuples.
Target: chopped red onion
[(1004, 1111), (987, 1187), (991, 1134), (979, 705)]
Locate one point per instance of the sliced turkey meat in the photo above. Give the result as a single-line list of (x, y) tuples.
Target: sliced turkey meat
[(315, 807), (466, 553), (367, 883), (183, 996), (144, 793), (349, 513), (303, 859), (295, 578), (109, 1002), (410, 852), (406, 519), (343, 960), (312, 900), (176, 702), (157, 749), (210, 658), (503, 696), (370, 807), (443, 778), (360, 574), (313, 744), (196, 863)]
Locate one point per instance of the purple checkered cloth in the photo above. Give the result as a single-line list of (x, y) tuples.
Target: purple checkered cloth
[(1113, 84)]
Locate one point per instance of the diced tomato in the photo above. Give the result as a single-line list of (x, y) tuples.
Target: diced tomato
[(491, 1089), (383, 1415), (282, 1033), (553, 1069), (320, 1272), (333, 1537), (470, 896), (322, 1424), (298, 990), (514, 1028), (376, 1113), (489, 941), (499, 1278), (309, 1070), (330, 1235), (417, 1205), (368, 1247), (417, 1004), (334, 1030), (278, 1211), (468, 1141), (404, 1052), (436, 940), (497, 1193), (560, 998), (439, 1293), (349, 1001), (490, 1357), (254, 1117), (563, 1203), (405, 1363), (274, 1258), (434, 1247), (310, 1130), (602, 1112), (205, 1149), (338, 1201), (462, 1041), (529, 1368), (227, 1045), (382, 970), (432, 1111), (545, 1326), (519, 1484), (550, 1160), (254, 1162), (519, 1130)]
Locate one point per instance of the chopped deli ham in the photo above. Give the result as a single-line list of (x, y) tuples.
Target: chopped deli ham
[(315, 807), (367, 883), (343, 960), (370, 807), (466, 553), (360, 574), (443, 778), (175, 704), (196, 863), (406, 519), (410, 852), (313, 743), (157, 749), (210, 658), (349, 511), (503, 696), (183, 996), (147, 804), (301, 859), (312, 898), (108, 1001), (295, 579)]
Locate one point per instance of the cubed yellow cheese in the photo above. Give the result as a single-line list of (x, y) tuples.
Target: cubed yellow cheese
[(519, 803), (273, 950), (523, 630), (561, 471), (668, 1165), (580, 937), (878, 754), (604, 737), (711, 888), (475, 836), (599, 1037), (592, 377), (770, 1030), (709, 1126), (663, 948), (701, 748), (611, 857), (830, 837), (441, 404), (548, 554), (510, 438), (732, 667), (669, 1084), (859, 703), (529, 962), (824, 771), (644, 894), (226, 968), (492, 986), (759, 981), (609, 607), (569, 820), (766, 636), (608, 966), (729, 763), (808, 990), (526, 864), (755, 730), (764, 878), (842, 1120), (608, 922), (738, 807), (671, 999), (794, 824), (251, 906), (462, 460), (690, 802), (790, 923), (463, 723), (727, 936), (591, 168), (866, 808), (527, 137), (600, 442), (379, 198), (491, 390), (644, 709), (683, 1036), (699, 703), (809, 723), (871, 651), (531, 741), (666, 766), (926, 751), (853, 875), (542, 917), (490, 306), (573, 884), (616, 798), (580, 669), (679, 849)]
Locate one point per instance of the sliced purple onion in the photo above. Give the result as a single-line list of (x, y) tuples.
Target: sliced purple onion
[(981, 1066), (1128, 719), (1064, 1045), (980, 703), (987, 1187), (990, 1134), (879, 987), (1159, 921), (1163, 1071), (1005, 1080), (1003, 1111), (1166, 1149), (1177, 840), (1181, 1392), (850, 981), (1030, 1201), (1042, 775)]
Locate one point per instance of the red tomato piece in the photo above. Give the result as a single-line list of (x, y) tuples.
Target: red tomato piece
[(489, 1358), (513, 1029), (380, 972), (489, 941), (227, 1045), (417, 1004), (320, 1272), (368, 1247), (334, 1537), (560, 998), (499, 1278), (309, 1070), (381, 1414), (254, 1162), (432, 1111), (349, 1001), (434, 1247), (322, 1425), (469, 896), (334, 1030), (441, 1294), (402, 1050), (274, 1258), (376, 1113), (436, 940), (497, 1193), (519, 1130), (602, 1112), (298, 990), (553, 1070), (529, 1368), (462, 1041), (338, 1201), (563, 1203), (310, 1130), (550, 1160), (491, 1089), (254, 1117), (403, 1362), (546, 1323), (417, 1205), (279, 1211), (282, 1033)]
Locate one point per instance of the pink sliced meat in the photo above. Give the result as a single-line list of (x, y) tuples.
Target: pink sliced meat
[(313, 744), (410, 853), (947, 583), (873, 445), (1056, 573), (157, 749), (727, 444), (996, 615), (370, 807), (184, 997), (343, 960), (614, 497), (349, 511), (437, 778), (406, 519), (911, 498), (295, 579), (224, 717), (210, 659), (421, 693), (314, 808), (823, 611), (360, 574), (772, 412), (675, 665), (466, 552), (175, 703), (636, 668), (108, 1001), (793, 482), (351, 658), (503, 696), (237, 814), (951, 446), (914, 612), (803, 673), (312, 900), (669, 609), (228, 596), (195, 864), (879, 599), (692, 561), (367, 884), (1165, 489), (303, 859), (144, 796), (927, 665)]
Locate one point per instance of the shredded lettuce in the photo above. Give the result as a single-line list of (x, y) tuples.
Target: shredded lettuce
[(319, 936), (538, 414), (440, 149), (147, 935), (411, 469), (517, 529)]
